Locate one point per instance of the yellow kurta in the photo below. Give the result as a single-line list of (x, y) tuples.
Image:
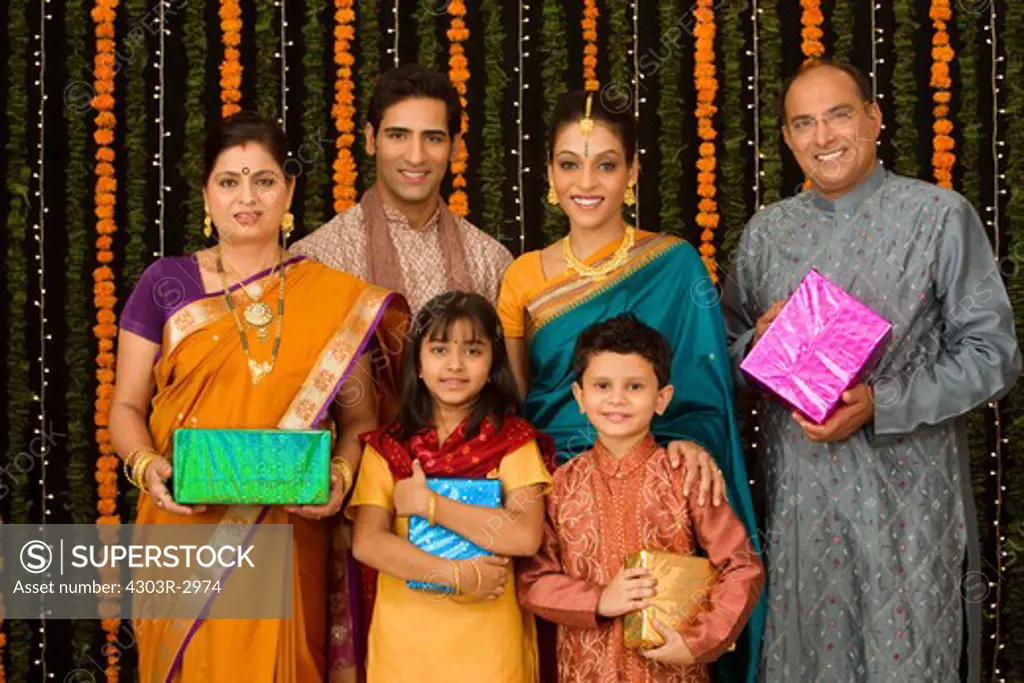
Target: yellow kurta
[(421, 636)]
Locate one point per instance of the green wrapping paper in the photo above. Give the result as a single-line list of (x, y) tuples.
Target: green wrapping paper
[(251, 467)]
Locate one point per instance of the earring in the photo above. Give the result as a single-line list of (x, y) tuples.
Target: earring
[(552, 196), (287, 224), (629, 198), (207, 226)]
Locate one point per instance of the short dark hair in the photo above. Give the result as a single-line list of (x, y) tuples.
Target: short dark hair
[(572, 107), (863, 84), (500, 396), (413, 80), (242, 128), (624, 334)]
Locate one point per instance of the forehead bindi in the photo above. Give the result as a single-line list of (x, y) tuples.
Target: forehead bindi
[(246, 159)]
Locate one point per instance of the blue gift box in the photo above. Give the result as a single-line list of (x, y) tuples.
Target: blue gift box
[(445, 543)]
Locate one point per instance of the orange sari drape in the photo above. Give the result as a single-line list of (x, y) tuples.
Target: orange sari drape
[(203, 381)]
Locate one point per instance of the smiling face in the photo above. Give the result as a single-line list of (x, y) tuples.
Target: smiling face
[(620, 395), (247, 195), (413, 150), (831, 130), (455, 366), (590, 189)]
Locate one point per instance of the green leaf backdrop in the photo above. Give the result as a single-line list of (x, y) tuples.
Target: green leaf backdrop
[(167, 91)]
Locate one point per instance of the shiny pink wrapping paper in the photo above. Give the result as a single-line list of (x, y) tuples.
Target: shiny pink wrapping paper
[(821, 343)]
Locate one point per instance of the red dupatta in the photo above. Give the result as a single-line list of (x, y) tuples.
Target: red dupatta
[(458, 456)]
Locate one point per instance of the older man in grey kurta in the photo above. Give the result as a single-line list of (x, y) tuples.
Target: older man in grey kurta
[(870, 535)]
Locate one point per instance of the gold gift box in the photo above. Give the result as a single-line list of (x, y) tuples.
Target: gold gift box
[(683, 591)]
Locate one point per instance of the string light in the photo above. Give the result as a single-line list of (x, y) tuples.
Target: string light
[(755, 105), (636, 97), (393, 50), (159, 156), (997, 191), (520, 135), (40, 228), (285, 43), (877, 38)]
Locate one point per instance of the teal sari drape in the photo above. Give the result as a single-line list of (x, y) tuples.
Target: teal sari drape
[(666, 286)]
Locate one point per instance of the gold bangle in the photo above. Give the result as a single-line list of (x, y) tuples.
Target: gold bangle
[(135, 454), (479, 576), (132, 458), (431, 508), (136, 478), (458, 577), (139, 470), (127, 472), (344, 470)]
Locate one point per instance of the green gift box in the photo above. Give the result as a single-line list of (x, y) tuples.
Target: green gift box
[(252, 466)]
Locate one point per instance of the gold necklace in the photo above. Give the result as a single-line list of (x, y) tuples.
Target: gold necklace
[(257, 314), (599, 273), (256, 370)]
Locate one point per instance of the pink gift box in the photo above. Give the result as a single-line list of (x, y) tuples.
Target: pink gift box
[(820, 344)]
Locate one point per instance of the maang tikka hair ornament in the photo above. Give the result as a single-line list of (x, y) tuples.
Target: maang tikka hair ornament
[(587, 125)]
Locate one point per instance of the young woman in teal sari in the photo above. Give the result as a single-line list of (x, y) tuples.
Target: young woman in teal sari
[(604, 267)]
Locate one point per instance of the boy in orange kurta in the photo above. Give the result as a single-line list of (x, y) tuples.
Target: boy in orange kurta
[(621, 497)]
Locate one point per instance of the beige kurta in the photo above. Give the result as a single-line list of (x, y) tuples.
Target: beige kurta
[(341, 244)]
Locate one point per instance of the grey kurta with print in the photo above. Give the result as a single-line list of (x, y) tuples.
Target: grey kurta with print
[(869, 540)]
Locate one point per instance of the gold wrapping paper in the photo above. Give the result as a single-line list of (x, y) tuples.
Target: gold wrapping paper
[(684, 586)]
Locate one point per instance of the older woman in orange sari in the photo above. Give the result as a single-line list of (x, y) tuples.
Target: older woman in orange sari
[(244, 336)]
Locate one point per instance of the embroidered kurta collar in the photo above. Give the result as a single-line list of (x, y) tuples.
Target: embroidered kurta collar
[(398, 219), (610, 466), (849, 202)]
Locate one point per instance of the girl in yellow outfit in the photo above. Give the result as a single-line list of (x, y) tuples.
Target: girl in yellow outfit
[(457, 420)]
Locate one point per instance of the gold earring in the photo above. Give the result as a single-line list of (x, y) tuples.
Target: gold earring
[(552, 196), (629, 199), (207, 226), (287, 224)]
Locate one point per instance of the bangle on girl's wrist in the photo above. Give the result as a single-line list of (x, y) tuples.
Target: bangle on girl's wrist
[(431, 508)]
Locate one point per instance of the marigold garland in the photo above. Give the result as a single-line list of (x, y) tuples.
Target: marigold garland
[(343, 112), (707, 89), (943, 158), (458, 73), (589, 22), (811, 19), (231, 66), (104, 15)]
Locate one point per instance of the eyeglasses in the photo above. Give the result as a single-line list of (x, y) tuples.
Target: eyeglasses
[(840, 118)]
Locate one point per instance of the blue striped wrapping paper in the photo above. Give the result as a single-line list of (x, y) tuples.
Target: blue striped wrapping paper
[(442, 542)]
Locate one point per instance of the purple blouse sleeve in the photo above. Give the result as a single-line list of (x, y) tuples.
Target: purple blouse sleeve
[(165, 286)]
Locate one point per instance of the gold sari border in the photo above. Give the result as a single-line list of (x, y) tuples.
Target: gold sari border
[(336, 360), (564, 297), (190, 319), (212, 307)]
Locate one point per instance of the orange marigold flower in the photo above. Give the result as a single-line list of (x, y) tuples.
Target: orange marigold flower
[(703, 15)]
